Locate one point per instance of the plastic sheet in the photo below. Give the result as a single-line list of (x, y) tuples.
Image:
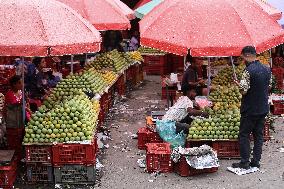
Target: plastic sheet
[(203, 102), (198, 157), (167, 131)]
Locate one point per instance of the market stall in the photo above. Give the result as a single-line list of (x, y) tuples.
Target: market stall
[(29, 41), (220, 130)]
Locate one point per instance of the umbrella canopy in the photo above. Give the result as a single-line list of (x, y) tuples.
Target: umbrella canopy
[(103, 14), (279, 4), (128, 12), (146, 8), (141, 3), (41, 28), (209, 28), (272, 11)]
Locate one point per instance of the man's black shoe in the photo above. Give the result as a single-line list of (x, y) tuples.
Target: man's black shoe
[(253, 164), (241, 165)]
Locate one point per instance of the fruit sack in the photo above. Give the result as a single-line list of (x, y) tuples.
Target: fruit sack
[(179, 110), (202, 157), (167, 131)]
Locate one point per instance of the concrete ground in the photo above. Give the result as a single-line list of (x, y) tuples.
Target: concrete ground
[(121, 170)]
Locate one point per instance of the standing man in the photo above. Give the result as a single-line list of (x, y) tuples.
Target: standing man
[(254, 86), (192, 78)]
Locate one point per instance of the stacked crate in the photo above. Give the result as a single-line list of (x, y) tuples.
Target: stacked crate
[(156, 64), (75, 163), (279, 74), (158, 158), (146, 136), (39, 164), (8, 169)]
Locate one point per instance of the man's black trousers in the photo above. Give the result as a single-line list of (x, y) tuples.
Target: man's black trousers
[(251, 124)]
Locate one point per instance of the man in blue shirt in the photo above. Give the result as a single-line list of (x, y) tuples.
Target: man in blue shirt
[(254, 86)]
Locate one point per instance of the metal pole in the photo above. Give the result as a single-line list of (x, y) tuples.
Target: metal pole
[(270, 54), (209, 77), (234, 70), (86, 59), (23, 89), (72, 56), (184, 63)]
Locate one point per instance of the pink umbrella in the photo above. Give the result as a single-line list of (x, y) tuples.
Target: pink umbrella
[(209, 28), (103, 14), (128, 12), (273, 12), (41, 28)]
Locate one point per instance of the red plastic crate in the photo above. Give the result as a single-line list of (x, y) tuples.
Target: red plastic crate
[(101, 118), (120, 85), (74, 153), (158, 158), (278, 107), (14, 139), (8, 174), (278, 73), (184, 170), (75, 174), (198, 143), (38, 154), (146, 136), (266, 132), (39, 173), (176, 62), (227, 149), (224, 148)]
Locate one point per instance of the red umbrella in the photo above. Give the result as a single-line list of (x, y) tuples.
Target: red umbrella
[(273, 12), (128, 12), (41, 28), (141, 3), (103, 14), (209, 28)]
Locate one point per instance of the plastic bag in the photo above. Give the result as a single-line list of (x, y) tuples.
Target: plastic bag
[(167, 131), (202, 101)]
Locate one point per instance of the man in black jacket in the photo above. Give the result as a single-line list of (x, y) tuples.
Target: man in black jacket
[(254, 86)]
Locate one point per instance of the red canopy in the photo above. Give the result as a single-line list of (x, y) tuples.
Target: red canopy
[(273, 12), (141, 3), (209, 28), (41, 28), (103, 14)]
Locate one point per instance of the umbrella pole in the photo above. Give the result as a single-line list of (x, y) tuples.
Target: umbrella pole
[(209, 76), (86, 59), (23, 89), (270, 59), (184, 63), (72, 56), (233, 65)]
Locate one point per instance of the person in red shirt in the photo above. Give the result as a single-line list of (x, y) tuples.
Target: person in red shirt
[(15, 95)]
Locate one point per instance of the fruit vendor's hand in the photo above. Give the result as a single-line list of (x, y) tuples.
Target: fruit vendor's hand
[(201, 81), (237, 82), (204, 114)]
